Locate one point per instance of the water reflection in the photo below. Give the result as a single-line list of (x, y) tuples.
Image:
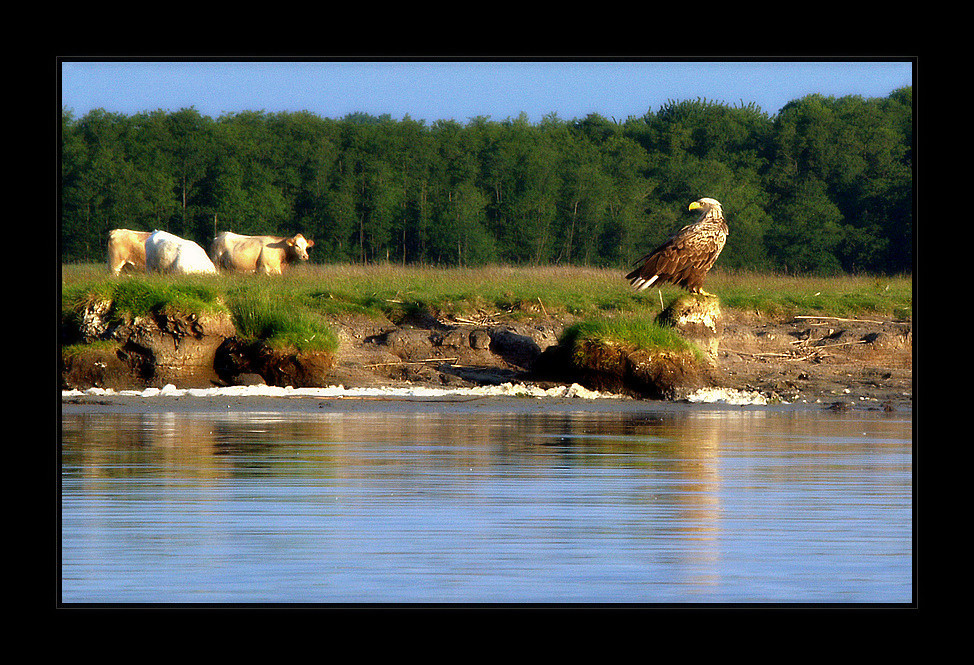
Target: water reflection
[(623, 506)]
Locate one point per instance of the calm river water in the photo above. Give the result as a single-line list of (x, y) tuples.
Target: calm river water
[(490, 501)]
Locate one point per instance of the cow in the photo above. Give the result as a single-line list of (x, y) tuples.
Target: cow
[(167, 253), (266, 255), (126, 248)]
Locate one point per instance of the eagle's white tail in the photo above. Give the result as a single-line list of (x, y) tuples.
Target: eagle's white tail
[(639, 283)]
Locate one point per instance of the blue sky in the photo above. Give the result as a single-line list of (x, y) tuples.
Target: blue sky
[(452, 90)]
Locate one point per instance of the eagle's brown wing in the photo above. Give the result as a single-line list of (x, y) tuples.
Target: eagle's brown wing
[(684, 259)]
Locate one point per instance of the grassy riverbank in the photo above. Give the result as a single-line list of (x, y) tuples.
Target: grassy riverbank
[(294, 310)]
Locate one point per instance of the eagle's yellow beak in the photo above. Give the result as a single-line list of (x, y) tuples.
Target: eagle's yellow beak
[(695, 205)]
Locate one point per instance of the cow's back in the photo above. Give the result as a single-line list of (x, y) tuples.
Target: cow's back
[(191, 258), (161, 249), (232, 251), (222, 248), (167, 253)]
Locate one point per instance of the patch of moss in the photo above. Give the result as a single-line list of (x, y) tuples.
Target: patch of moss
[(70, 351)]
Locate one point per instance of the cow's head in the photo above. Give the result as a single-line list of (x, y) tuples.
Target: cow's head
[(299, 246)]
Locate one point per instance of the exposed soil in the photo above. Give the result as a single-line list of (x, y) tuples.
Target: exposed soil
[(833, 361)]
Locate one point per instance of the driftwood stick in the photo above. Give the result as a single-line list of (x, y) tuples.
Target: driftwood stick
[(757, 355), (836, 318), (790, 356), (829, 346), (414, 362)]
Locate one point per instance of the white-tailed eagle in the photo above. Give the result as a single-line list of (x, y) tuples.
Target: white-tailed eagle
[(685, 258)]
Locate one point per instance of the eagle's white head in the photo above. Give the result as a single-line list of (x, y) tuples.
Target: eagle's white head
[(708, 208)]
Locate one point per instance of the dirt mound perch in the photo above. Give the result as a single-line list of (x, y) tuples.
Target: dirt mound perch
[(655, 373), (698, 319)]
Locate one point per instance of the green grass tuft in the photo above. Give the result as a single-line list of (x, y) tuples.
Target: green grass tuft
[(635, 331), (281, 323)]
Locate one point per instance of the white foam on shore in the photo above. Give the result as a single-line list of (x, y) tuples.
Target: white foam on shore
[(727, 396), (574, 391), (507, 389)]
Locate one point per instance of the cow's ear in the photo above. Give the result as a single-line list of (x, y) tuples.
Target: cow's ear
[(311, 243)]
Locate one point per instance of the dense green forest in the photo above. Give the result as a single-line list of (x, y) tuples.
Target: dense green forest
[(824, 186)]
